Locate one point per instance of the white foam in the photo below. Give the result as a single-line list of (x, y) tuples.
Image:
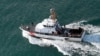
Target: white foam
[(66, 47), (63, 46), (90, 28), (97, 45)]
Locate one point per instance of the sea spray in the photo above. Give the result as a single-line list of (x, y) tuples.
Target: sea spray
[(65, 47), (69, 48), (88, 27)]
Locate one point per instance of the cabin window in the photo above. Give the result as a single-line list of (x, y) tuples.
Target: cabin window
[(48, 26)]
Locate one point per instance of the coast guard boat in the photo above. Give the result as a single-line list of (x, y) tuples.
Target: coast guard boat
[(50, 29)]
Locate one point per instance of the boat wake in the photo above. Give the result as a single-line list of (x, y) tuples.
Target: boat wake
[(74, 48)]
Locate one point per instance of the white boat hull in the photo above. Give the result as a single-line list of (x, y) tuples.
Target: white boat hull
[(51, 37)]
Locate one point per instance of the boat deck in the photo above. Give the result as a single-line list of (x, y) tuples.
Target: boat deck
[(76, 33)]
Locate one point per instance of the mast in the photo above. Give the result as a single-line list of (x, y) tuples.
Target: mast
[(52, 14)]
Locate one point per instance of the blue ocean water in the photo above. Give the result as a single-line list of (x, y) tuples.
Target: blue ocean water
[(13, 13)]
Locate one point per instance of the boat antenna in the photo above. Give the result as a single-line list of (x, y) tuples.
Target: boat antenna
[(52, 14)]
